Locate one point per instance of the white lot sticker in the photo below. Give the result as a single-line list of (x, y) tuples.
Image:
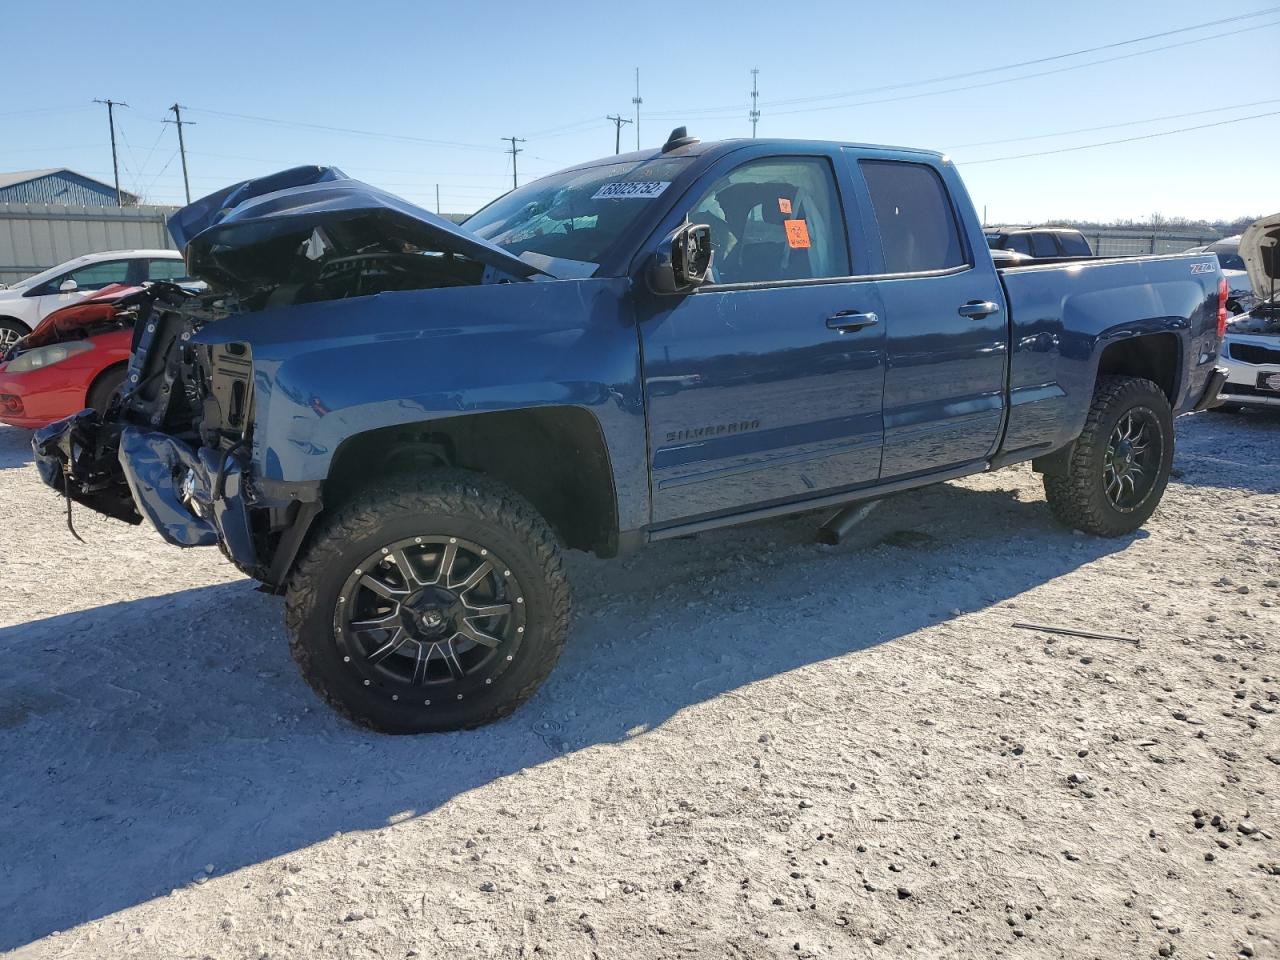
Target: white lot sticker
[(633, 189)]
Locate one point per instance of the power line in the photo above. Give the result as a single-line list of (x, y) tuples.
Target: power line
[(513, 151), (1113, 126), (618, 121), (1007, 66), (1108, 143), (564, 128), (345, 130), (1028, 76)]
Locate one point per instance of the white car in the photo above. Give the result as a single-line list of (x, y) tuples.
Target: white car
[(1251, 348), (28, 301)]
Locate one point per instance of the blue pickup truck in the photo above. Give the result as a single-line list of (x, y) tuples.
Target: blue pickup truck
[(400, 423)]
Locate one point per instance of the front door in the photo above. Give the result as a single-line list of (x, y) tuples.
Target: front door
[(764, 385)]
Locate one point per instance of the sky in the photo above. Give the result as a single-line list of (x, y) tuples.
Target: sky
[(431, 88)]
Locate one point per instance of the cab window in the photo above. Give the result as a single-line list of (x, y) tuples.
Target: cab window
[(775, 219), (918, 228)]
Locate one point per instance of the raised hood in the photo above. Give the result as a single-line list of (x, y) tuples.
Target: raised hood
[(1258, 247), (257, 231)]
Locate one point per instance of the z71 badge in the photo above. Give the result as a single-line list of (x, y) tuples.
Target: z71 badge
[(1203, 267)]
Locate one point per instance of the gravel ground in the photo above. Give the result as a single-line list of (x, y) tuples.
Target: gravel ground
[(753, 747)]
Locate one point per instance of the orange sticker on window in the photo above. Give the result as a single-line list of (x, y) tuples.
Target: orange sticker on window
[(784, 205), (797, 234)]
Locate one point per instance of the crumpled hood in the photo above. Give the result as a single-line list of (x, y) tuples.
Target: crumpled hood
[(1260, 248), (264, 212)]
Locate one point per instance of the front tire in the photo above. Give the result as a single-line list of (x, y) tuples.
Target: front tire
[(11, 331), (105, 389), (1117, 469), (429, 603)]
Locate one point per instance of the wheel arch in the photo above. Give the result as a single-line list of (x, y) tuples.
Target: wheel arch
[(555, 457), (1156, 356), (1152, 356), (104, 372)]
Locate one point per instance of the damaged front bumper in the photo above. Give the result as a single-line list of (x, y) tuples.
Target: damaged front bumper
[(194, 498)]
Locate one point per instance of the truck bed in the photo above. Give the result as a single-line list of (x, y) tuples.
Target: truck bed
[(1064, 314)]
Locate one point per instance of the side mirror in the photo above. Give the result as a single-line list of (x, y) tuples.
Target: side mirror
[(682, 260), (68, 286)]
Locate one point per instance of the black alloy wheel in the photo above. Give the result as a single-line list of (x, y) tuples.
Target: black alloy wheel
[(430, 617), (1132, 457)]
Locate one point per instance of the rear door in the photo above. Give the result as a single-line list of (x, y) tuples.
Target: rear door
[(947, 337), (764, 385)]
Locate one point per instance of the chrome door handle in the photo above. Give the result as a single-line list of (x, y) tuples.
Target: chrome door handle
[(977, 309), (846, 321)]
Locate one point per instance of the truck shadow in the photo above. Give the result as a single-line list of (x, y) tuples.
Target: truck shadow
[(15, 446), (143, 740)]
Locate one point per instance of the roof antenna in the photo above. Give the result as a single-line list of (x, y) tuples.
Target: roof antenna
[(679, 138)]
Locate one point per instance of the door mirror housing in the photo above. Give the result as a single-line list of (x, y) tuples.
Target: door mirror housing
[(68, 286), (682, 261)]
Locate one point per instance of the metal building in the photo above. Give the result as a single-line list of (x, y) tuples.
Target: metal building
[(61, 186)]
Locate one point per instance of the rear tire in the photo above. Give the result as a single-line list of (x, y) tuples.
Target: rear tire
[(1117, 469), (106, 387), (402, 554)]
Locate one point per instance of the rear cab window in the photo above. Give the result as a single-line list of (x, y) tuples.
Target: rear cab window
[(919, 232)]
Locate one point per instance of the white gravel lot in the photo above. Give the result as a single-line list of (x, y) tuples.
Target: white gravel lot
[(754, 747)]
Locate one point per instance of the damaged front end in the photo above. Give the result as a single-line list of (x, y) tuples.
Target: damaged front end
[(176, 446), (172, 447)]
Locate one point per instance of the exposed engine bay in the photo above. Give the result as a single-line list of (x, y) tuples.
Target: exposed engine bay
[(175, 446)]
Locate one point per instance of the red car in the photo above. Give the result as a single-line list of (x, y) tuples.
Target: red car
[(75, 358)]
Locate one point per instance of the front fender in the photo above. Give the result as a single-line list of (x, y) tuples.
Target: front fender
[(328, 371)]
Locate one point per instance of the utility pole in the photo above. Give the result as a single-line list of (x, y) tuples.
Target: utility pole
[(513, 151), (618, 121), (182, 146), (437, 199), (111, 121), (637, 101), (755, 102)]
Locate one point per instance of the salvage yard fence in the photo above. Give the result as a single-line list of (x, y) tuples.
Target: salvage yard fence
[(36, 236), (1128, 243)]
